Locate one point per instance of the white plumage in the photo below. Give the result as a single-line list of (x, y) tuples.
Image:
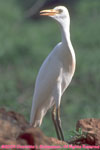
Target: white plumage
[(56, 71)]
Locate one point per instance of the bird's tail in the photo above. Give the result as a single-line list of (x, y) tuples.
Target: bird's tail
[(32, 116), (36, 116)]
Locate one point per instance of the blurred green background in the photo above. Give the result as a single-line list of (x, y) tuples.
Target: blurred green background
[(26, 41)]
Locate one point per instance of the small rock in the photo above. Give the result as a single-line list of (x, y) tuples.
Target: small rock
[(92, 127)]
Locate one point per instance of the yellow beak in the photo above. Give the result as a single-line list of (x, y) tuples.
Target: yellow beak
[(49, 12)]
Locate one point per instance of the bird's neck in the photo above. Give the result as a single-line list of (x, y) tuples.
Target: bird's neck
[(66, 42), (65, 31)]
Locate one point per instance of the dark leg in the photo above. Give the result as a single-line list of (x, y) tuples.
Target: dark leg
[(54, 121), (59, 123)]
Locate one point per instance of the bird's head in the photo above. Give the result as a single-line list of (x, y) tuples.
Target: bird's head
[(59, 13)]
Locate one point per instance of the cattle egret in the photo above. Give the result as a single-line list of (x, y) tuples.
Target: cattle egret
[(55, 74)]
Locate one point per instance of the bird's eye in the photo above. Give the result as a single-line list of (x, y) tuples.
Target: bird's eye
[(60, 10)]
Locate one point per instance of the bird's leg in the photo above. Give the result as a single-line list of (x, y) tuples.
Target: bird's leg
[(54, 121), (59, 122)]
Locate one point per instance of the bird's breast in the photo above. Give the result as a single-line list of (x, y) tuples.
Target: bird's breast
[(67, 59), (68, 62)]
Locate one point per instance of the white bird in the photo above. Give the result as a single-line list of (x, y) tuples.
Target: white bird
[(55, 73)]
